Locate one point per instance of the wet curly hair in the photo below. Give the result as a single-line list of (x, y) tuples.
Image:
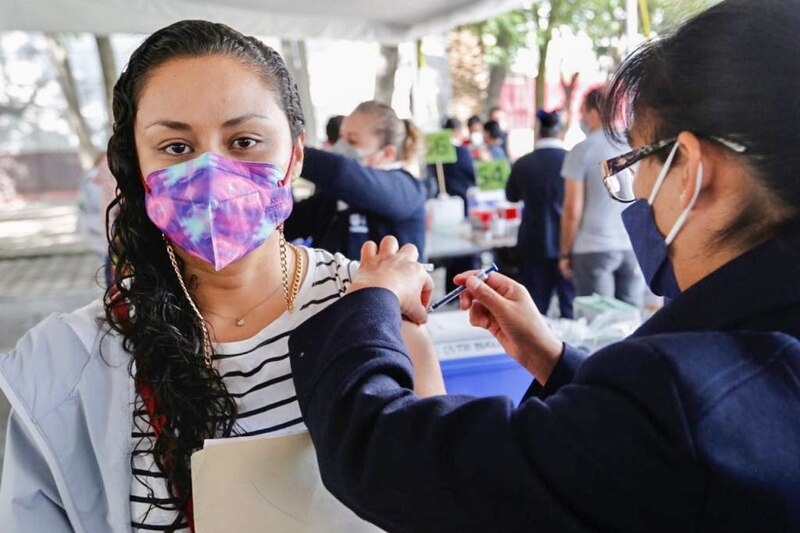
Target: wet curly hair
[(162, 334)]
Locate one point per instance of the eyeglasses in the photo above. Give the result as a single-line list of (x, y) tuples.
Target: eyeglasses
[(620, 172)]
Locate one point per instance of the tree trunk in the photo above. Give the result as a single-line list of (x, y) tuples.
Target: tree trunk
[(544, 44), (384, 79), (60, 58), (109, 68), (497, 77), (466, 65), (569, 93), (294, 53)]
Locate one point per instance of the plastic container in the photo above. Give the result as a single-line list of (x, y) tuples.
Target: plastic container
[(488, 375), (473, 362)]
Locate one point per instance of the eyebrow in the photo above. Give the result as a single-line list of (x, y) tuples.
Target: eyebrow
[(171, 124), (182, 126), (244, 118)]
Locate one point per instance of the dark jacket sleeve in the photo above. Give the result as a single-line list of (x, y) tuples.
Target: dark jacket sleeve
[(454, 463), (513, 192), (394, 194)]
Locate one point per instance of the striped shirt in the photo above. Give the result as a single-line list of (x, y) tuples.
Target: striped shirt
[(257, 374)]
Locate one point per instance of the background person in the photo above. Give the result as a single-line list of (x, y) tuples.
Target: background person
[(692, 423), (332, 128), (492, 148), (536, 180), (594, 246), (367, 189), (110, 401)]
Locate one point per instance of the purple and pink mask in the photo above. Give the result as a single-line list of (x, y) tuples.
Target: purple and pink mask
[(218, 209)]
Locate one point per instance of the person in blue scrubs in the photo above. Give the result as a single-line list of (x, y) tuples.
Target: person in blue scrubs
[(366, 188), (690, 424)]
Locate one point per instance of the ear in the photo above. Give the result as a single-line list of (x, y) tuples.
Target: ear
[(390, 153), (299, 154), (691, 153)]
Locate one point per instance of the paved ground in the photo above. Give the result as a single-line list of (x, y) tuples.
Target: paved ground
[(44, 268)]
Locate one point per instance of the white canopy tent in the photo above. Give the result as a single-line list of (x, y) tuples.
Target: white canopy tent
[(368, 20)]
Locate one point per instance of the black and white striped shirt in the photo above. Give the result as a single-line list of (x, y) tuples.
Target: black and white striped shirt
[(257, 374)]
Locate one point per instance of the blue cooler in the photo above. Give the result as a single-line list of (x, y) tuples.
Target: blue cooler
[(473, 362)]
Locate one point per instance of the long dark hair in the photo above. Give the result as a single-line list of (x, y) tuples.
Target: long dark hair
[(731, 72), (164, 336)]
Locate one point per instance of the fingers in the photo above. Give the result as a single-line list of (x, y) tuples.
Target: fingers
[(389, 246), (409, 251), (487, 296), (416, 314), (368, 250), (461, 279), (503, 285)]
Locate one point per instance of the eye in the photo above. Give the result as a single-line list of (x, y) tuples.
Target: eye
[(177, 149), (244, 143)]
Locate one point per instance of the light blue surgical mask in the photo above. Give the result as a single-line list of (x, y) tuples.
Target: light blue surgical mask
[(649, 246)]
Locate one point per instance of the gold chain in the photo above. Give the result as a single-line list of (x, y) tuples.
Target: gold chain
[(290, 293), (200, 319)]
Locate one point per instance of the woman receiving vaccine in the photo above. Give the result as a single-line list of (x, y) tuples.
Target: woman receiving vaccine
[(190, 342)]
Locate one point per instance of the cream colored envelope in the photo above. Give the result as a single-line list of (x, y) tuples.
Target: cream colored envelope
[(266, 484)]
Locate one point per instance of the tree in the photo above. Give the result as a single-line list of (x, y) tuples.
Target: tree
[(87, 151), (294, 54), (109, 69), (467, 72), (384, 78)]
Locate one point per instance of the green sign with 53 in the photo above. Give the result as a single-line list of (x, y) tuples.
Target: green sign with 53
[(440, 147)]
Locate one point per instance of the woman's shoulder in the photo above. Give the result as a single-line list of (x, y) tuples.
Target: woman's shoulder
[(330, 274), (48, 361)]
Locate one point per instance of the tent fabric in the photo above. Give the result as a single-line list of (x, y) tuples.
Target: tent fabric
[(367, 20)]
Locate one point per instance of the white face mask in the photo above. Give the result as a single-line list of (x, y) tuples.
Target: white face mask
[(476, 138), (342, 147)]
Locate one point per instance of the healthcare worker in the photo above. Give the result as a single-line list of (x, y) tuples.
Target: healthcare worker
[(692, 423), (367, 188)]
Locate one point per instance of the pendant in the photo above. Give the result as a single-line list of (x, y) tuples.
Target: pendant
[(240, 322)]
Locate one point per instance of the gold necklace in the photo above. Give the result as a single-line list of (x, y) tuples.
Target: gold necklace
[(290, 293), (240, 320)]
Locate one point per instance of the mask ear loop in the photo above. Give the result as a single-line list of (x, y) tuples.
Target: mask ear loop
[(286, 178), (663, 174), (682, 219)]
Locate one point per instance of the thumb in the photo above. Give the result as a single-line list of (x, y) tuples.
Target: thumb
[(490, 299)]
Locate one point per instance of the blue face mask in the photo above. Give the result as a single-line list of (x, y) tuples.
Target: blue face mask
[(649, 246)]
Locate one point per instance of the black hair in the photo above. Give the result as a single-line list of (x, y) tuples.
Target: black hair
[(730, 72), (474, 119), (332, 128), (592, 99), (549, 123), (163, 334), (493, 129), (451, 123)]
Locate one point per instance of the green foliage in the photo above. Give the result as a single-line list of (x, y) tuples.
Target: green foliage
[(503, 36)]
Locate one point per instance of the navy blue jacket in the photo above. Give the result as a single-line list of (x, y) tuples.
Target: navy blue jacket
[(381, 203), (691, 424), (536, 179), (458, 176)]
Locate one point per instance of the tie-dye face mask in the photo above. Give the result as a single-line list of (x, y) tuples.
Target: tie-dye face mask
[(216, 208)]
